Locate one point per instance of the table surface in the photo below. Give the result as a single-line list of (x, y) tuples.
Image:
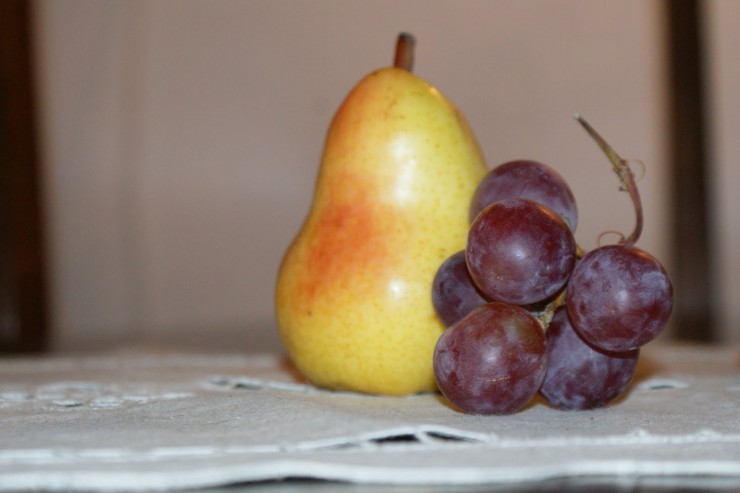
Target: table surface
[(154, 420)]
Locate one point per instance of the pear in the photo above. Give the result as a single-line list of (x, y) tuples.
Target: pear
[(353, 295)]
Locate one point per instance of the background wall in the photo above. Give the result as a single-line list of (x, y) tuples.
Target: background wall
[(181, 139), (724, 94)]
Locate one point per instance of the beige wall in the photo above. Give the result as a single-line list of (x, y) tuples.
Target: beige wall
[(724, 86), (181, 139)]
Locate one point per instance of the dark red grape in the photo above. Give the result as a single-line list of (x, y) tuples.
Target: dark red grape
[(454, 294), (529, 180), (580, 376), (619, 297), (519, 252), (493, 361)]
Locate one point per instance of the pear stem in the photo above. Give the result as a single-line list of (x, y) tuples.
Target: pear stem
[(404, 57), (626, 177)]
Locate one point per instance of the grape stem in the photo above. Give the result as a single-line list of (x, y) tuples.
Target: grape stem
[(404, 57), (626, 177), (545, 317)]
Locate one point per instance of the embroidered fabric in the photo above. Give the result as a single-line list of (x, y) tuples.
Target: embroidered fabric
[(147, 421)]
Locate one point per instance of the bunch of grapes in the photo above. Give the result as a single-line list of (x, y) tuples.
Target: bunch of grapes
[(528, 311)]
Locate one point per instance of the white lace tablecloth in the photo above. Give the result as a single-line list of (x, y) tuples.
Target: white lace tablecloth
[(146, 421)]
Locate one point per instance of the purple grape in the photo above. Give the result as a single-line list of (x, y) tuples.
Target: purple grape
[(619, 297), (528, 180), (454, 294), (519, 252), (580, 376), (493, 361)]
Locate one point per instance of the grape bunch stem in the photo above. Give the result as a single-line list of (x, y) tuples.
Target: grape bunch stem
[(545, 317), (626, 177)]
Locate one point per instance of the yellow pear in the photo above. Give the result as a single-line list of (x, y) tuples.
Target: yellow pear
[(353, 297)]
